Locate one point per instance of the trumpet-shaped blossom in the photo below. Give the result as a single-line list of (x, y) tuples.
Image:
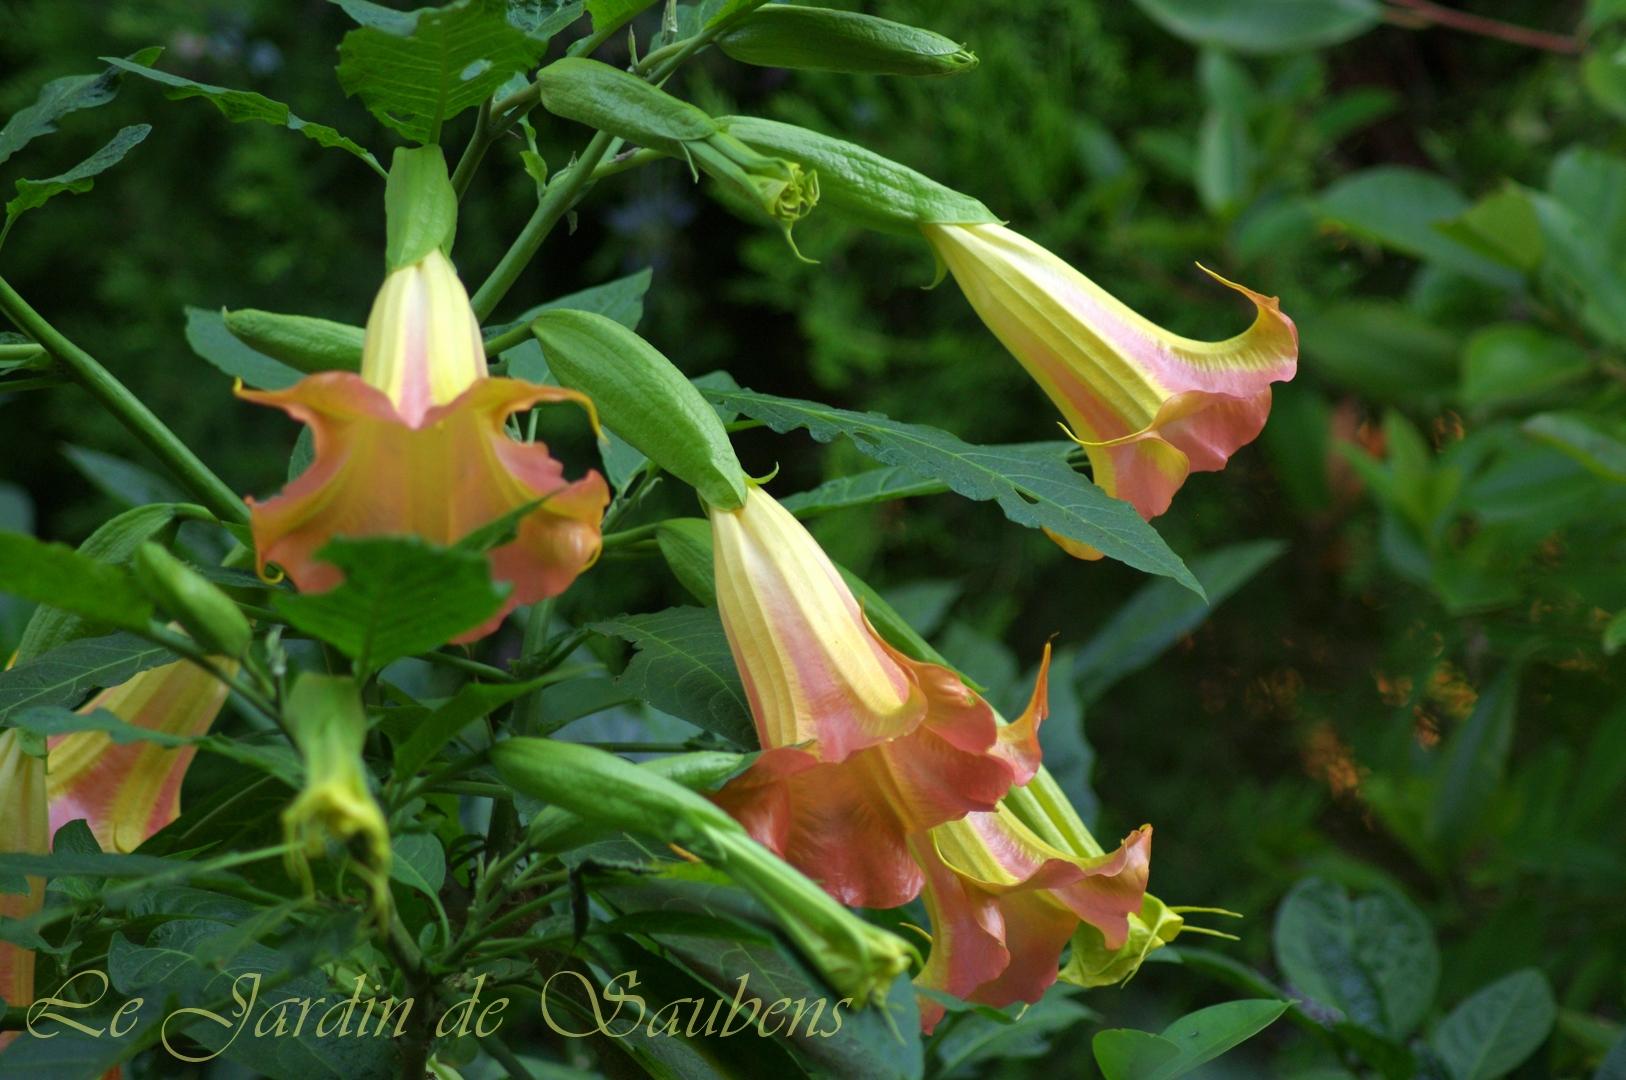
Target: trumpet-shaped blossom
[(415, 445), (1004, 903), (24, 829), (126, 792), (1148, 407), (863, 745)]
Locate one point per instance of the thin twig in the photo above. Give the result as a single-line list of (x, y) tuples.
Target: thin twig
[(1427, 13)]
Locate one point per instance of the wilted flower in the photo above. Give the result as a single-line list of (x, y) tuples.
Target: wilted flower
[(1147, 406), (415, 445), (126, 792), (863, 745)]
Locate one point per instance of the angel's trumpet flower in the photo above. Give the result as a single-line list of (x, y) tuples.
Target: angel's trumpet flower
[(1148, 407), (863, 746), (24, 829), (415, 445), (126, 792)]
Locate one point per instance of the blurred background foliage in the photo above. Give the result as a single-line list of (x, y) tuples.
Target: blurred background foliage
[(1398, 749)]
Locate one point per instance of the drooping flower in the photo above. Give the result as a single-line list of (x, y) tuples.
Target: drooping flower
[(24, 829), (1148, 407), (863, 745), (415, 445), (126, 792)]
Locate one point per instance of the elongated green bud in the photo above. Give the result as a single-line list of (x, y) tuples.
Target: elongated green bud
[(859, 960), (557, 829), (192, 600), (645, 399), (607, 98), (822, 39), (300, 341), (876, 191)]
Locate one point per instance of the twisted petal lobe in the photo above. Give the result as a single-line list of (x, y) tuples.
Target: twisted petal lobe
[(1149, 407), (126, 792)]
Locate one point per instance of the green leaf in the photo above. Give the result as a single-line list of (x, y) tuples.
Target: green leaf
[(976, 1042), (611, 15), (417, 71), (209, 337), (1031, 483), (1492, 1033), (644, 399), (1577, 435), (399, 596), (78, 584), (876, 191), (861, 489), (1373, 958), (113, 543), (1501, 226), (420, 206), (822, 39), (1264, 26), (55, 720), (121, 481), (60, 97), (1195, 1038), (245, 106), (80, 178), (434, 731), (1475, 761), (684, 667), (1225, 159), (685, 544), (1161, 613), (67, 673), (1506, 363), (1400, 208), (418, 862)]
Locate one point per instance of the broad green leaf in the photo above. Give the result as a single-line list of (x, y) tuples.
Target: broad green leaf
[(1400, 208), (722, 14), (1496, 1029), (418, 862), (621, 299), (1475, 761), (1225, 159), (399, 596), (875, 485), (685, 544), (1502, 226), (1196, 1038), (1506, 363), (78, 584), (113, 543), (1585, 266), (977, 1042), (684, 667), (52, 721), (416, 72), (60, 97), (245, 106), (542, 19), (1373, 958), (69, 672), (1032, 484), (610, 15), (1578, 436), (1382, 349), (643, 398), (206, 332), (80, 178), (121, 481), (1161, 613), (1264, 26)]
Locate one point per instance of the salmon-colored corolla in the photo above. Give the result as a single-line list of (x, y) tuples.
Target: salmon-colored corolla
[(1148, 407), (415, 445)]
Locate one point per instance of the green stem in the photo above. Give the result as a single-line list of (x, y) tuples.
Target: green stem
[(22, 350), (472, 667), (474, 152), (128, 409), (557, 199), (506, 340), (499, 1052)]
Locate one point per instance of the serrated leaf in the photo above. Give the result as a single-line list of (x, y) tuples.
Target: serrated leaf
[(418, 71), (1033, 485), (68, 673), (875, 485), (399, 596), (684, 667), (1492, 1033), (1373, 957), (60, 97), (60, 576), (245, 106), (79, 179), (52, 721)]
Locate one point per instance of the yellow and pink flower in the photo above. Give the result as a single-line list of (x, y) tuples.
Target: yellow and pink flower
[(415, 445), (1148, 407), (863, 746)]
